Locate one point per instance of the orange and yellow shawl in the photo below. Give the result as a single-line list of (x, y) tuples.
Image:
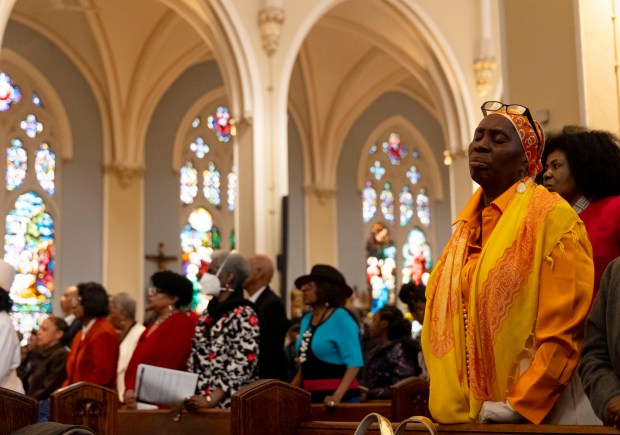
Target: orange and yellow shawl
[(481, 362)]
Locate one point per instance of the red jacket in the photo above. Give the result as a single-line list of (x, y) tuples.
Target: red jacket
[(94, 359)]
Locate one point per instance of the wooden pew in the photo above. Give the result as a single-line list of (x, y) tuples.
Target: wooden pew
[(273, 407), (162, 422), (409, 397), (16, 411), (86, 404)]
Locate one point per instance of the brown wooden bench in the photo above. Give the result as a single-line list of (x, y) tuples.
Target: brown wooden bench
[(86, 404), (272, 407), (16, 411), (162, 422)]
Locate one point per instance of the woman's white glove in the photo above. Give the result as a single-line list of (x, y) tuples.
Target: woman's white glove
[(498, 412)]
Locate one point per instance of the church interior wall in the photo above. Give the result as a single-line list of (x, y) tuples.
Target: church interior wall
[(541, 68), (80, 236)]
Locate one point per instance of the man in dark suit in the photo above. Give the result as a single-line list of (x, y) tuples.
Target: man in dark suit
[(271, 317)]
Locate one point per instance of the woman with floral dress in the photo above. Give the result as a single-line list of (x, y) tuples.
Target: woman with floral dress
[(226, 340)]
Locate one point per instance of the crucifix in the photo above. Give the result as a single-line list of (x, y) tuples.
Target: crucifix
[(161, 258)]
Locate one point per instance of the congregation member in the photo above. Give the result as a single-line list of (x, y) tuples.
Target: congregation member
[(225, 349), (67, 307), (328, 346), (10, 355), (272, 318), (394, 356), (583, 166), (167, 341), (123, 317), (94, 350), (600, 359), (414, 296), (508, 299), (48, 371)]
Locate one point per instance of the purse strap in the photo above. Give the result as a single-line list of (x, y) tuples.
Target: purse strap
[(400, 429), (385, 427)]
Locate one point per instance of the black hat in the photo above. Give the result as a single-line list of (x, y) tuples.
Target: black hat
[(325, 273)]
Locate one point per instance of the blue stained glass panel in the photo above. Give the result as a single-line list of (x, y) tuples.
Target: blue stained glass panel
[(211, 181), (29, 247), (36, 100), (424, 208), (413, 174), (377, 170), (189, 183), (199, 147), (45, 168), (16, 164), (387, 203), (369, 202), (31, 126), (405, 200)]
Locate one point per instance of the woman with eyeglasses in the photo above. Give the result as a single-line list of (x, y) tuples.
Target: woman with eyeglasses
[(167, 341), (508, 299), (94, 350), (583, 166)]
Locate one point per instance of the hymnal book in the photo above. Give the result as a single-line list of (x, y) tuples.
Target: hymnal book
[(164, 386)]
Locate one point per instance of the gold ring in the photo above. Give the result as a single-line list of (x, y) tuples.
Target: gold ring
[(331, 403)]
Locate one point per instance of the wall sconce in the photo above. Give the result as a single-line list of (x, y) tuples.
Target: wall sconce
[(447, 157)]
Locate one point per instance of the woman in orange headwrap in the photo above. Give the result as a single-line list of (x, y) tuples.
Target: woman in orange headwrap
[(507, 301)]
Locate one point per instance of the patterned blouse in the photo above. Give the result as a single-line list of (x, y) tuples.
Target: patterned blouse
[(225, 351)]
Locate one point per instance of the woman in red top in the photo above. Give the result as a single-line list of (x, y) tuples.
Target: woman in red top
[(168, 340), (94, 351), (583, 166)]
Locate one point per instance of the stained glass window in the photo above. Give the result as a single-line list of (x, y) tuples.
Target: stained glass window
[(36, 100), (222, 124), (199, 147), (391, 172), (9, 93), (381, 266), (369, 202), (211, 224), (16, 164), (31, 126), (32, 175), (29, 248), (387, 203), (211, 181), (405, 200), (189, 183), (394, 149), (413, 174), (232, 189), (377, 170), (45, 168), (199, 238), (416, 257), (424, 209)]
